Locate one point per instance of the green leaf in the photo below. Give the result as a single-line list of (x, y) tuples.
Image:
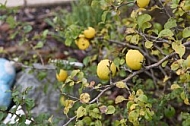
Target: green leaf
[(135, 39), (74, 73), (157, 27), (139, 92), (170, 23), (119, 99), (148, 114), (117, 61), (40, 44), (22, 119), (166, 33), (146, 25), (27, 28), (186, 122), (175, 66), (2, 115), (148, 44), (183, 95), (123, 121), (95, 4), (144, 18), (42, 75), (164, 63), (95, 114), (169, 111), (87, 120), (68, 41), (86, 60), (71, 34), (116, 123), (179, 48), (166, 78), (186, 32), (79, 123), (122, 73), (13, 35), (96, 110), (143, 98), (111, 109), (155, 52), (121, 84), (29, 103), (129, 104), (185, 115), (133, 116), (175, 1), (45, 33), (80, 76), (104, 15), (186, 101), (81, 111), (128, 37), (11, 21), (98, 123), (122, 61)]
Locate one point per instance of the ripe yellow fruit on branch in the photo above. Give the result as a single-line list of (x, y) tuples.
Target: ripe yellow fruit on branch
[(134, 59), (106, 68), (89, 33), (82, 43), (62, 75), (142, 3)]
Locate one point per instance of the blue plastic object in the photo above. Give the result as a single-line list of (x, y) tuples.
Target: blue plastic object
[(7, 77)]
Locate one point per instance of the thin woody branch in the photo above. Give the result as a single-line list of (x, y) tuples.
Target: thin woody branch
[(148, 67)]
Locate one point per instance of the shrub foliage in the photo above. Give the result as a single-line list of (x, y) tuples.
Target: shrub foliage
[(157, 94)]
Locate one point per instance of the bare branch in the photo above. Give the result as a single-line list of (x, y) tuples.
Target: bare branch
[(167, 13), (154, 38), (71, 119), (148, 67), (70, 96), (124, 43), (100, 94)]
